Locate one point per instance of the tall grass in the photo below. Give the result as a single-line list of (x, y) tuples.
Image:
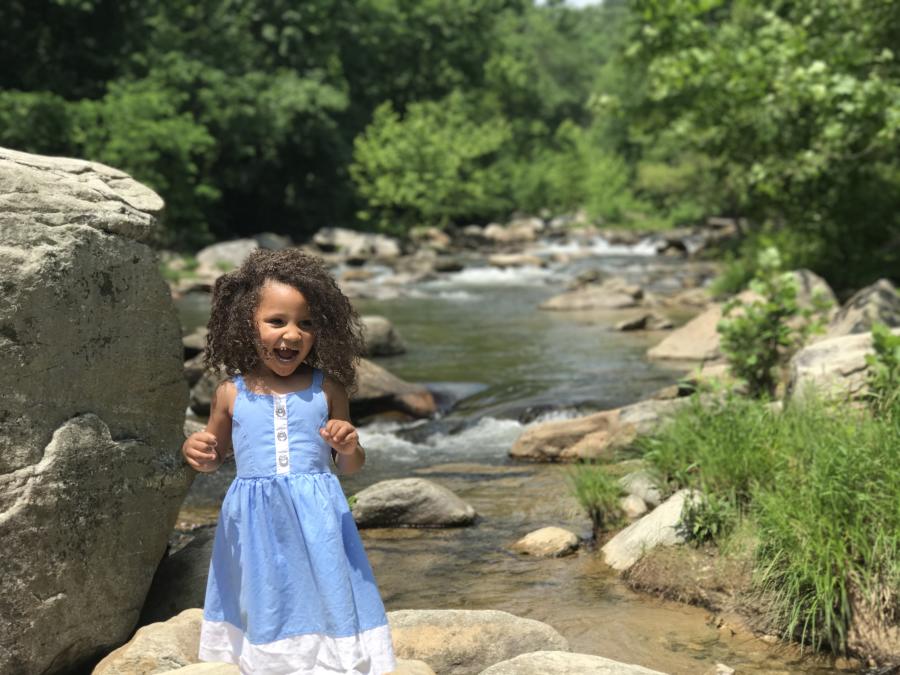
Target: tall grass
[(598, 494), (822, 485)]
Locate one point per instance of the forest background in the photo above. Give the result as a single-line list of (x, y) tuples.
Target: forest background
[(288, 116)]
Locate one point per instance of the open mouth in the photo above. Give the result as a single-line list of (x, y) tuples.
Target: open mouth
[(286, 355)]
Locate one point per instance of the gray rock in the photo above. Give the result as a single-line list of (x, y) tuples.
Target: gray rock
[(225, 256), (658, 528), (358, 245), (465, 642), (878, 303), (646, 321), (411, 502), (381, 338), (641, 484), (611, 294), (379, 390), (633, 506), (564, 663), (194, 343), (91, 410)]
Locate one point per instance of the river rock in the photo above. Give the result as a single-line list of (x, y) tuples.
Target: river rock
[(379, 390), (564, 663), (380, 336), (522, 230), (157, 648), (833, 367), (614, 293), (465, 642), (92, 403), (549, 441), (504, 260), (641, 484), (180, 579), (410, 502), (878, 303), (213, 668), (194, 343), (356, 245), (646, 321), (633, 506), (548, 542), (658, 528), (224, 256)]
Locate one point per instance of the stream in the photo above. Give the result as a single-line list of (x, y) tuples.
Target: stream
[(497, 364)]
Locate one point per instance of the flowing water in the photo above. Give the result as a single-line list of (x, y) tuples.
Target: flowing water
[(498, 364)]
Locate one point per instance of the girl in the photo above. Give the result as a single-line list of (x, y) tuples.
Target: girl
[(289, 589)]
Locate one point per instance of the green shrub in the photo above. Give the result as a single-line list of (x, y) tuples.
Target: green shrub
[(765, 333), (708, 518), (884, 371), (598, 494)]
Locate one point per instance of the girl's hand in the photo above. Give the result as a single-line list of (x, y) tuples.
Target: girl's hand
[(340, 435), (199, 451)]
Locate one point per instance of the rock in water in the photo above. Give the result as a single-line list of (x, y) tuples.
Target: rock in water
[(91, 410), (410, 502)]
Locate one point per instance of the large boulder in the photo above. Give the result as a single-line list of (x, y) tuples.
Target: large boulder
[(91, 410), (180, 579), (410, 502), (465, 642), (380, 336), (833, 367), (564, 663), (661, 527), (356, 245), (548, 542), (878, 303), (613, 293)]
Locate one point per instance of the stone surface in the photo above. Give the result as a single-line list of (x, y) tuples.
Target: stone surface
[(633, 506), (504, 260), (212, 668), (646, 321), (613, 293), (832, 367), (379, 390), (658, 528), (225, 256), (357, 245), (641, 484), (548, 440), (92, 403), (564, 663), (157, 648), (410, 502), (878, 303), (465, 642), (548, 542), (380, 336)]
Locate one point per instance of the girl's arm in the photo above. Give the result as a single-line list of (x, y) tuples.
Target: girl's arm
[(339, 432), (206, 450)]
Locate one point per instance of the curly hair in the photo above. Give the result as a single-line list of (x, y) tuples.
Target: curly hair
[(233, 337)]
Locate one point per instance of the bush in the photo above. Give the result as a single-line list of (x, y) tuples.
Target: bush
[(766, 332), (884, 372), (598, 493)]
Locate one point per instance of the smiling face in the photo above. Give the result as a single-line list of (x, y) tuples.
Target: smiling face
[(285, 329)]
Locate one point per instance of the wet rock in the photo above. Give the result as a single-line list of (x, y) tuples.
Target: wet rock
[(410, 502), (832, 367), (91, 409), (504, 260), (157, 647), (465, 642), (641, 484), (518, 231), (272, 241), (611, 294), (878, 303), (430, 237), (194, 369), (658, 528), (548, 542), (647, 321), (564, 663), (202, 392), (380, 336), (633, 506), (379, 390), (194, 342)]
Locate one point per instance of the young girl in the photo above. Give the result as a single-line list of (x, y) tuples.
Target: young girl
[(290, 589)]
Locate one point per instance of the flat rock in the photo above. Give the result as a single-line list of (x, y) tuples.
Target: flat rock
[(564, 663), (380, 390), (465, 642), (657, 528), (878, 303), (548, 542), (381, 337), (410, 502)]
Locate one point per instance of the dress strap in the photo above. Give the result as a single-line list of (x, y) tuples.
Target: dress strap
[(239, 383), (318, 378)]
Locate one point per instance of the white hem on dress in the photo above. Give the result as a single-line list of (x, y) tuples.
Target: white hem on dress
[(367, 653)]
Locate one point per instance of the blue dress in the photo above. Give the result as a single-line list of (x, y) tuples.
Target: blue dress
[(290, 589)]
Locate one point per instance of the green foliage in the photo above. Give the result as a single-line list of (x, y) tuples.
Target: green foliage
[(432, 166), (707, 518), (598, 494), (761, 335), (884, 372)]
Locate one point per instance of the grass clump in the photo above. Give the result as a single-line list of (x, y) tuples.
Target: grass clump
[(598, 494)]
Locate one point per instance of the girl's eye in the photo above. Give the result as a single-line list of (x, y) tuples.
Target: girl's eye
[(275, 322), (306, 325)]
